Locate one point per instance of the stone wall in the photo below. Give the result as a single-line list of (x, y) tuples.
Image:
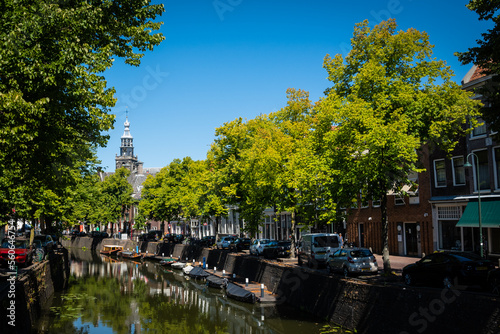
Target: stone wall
[(368, 308), (32, 291)]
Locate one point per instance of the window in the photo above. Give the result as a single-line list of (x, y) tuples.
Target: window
[(399, 199), (375, 203), (440, 173), (458, 171), (480, 131), (496, 154), (484, 174)]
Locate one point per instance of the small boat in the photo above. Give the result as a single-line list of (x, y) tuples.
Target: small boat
[(168, 261), (178, 265), (130, 255), (187, 269), (111, 249), (198, 272), (238, 293), (216, 282)]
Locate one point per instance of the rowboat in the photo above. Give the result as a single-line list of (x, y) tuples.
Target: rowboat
[(178, 265), (111, 249), (187, 269), (168, 261), (130, 255)]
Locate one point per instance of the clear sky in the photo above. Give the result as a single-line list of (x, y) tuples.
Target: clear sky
[(224, 59)]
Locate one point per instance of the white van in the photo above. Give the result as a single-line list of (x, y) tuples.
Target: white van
[(314, 248)]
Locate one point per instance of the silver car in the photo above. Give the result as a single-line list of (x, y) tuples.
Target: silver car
[(257, 246), (352, 261)]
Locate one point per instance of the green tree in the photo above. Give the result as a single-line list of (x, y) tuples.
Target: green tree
[(54, 101), (386, 104), (486, 55), (116, 195)]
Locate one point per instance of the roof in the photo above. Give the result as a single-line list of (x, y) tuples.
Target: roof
[(474, 74)]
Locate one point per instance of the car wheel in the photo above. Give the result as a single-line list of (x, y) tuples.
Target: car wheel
[(448, 282), (299, 261), (408, 279), (330, 270), (346, 272)]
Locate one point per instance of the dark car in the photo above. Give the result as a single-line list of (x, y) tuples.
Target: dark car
[(207, 241), (104, 235), (448, 269), (95, 234), (154, 235), (494, 281), (271, 249), (284, 248), (23, 252), (47, 242), (240, 244)]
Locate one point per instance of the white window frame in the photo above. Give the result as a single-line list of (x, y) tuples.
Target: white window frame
[(474, 171), (453, 159), (436, 175)]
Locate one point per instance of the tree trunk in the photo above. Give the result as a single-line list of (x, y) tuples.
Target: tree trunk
[(292, 236), (385, 236)]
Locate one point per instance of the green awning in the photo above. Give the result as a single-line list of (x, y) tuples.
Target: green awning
[(490, 214)]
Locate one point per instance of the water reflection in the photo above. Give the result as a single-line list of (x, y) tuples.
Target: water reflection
[(111, 296)]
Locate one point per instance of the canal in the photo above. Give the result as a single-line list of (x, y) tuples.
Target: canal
[(106, 295)]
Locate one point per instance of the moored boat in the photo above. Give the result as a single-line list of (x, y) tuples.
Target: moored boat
[(111, 249), (187, 269), (238, 293), (130, 255), (216, 282), (168, 261), (198, 272), (178, 265)]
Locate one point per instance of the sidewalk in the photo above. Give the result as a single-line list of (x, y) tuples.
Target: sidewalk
[(397, 262)]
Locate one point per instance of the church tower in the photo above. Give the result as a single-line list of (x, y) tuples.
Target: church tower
[(126, 158)]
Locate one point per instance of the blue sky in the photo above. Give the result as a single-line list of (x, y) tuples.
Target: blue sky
[(224, 59)]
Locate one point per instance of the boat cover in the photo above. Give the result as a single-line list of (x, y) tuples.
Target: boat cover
[(237, 292), (198, 272), (216, 282)]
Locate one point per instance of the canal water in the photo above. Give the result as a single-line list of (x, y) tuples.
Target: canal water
[(110, 296)]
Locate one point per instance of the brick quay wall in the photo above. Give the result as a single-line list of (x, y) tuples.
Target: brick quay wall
[(23, 299), (353, 304)]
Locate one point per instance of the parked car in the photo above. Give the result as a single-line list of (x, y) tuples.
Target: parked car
[(23, 252), (47, 242), (240, 244), (225, 241), (352, 261), (270, 250), (104, 235), (315, 248), (207, 241), (284, 248), (95, 234), (153, 235), (448, 269), (494, 281), (257, 246)]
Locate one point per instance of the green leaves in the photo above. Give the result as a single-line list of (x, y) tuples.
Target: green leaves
[(54, 102)]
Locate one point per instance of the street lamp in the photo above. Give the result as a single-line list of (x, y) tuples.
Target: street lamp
[(467, 164)]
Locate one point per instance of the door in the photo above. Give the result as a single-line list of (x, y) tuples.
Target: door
[(411, 240), (361, 228)]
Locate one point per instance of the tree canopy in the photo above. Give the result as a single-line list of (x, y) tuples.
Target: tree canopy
[(54, 100), (389, 98)]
